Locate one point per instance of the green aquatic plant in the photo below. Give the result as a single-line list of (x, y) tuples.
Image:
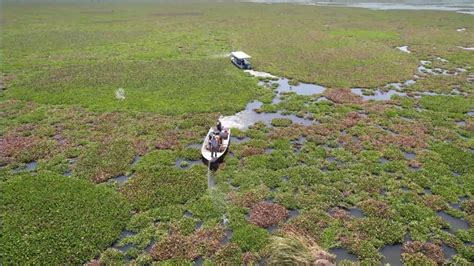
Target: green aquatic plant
[(250, 237), (68, 215)]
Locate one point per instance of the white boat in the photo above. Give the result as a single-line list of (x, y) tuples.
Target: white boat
[(241, 60), (206, 153)]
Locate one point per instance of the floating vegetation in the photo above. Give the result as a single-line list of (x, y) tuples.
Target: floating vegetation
[(362, 154)]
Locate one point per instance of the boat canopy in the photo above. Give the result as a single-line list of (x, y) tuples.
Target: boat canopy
[(240, 55)]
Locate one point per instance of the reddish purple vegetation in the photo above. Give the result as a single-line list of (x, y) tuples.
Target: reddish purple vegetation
[(167, 144), (339, 213), (376, 208), (342, 96), (250, 258), (140, 147), (10, 146), (266, 214), (249, 151), (431, 251), (435, 202), (291, 132), (351, 119), (468, 206), (247, 199), (204, 242)]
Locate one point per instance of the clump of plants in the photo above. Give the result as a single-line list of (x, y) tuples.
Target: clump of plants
[(266, 214), (204, 242), (294, 249), (416, 252), (281, 122), (342, 96), (54, 219)]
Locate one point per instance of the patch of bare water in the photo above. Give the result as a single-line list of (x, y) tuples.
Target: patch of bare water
[(392, 254), (31, 166), (455, 223), (249, 116), (342, 254), (378, 95), (300, 88)]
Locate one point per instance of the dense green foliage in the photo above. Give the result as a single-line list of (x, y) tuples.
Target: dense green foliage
[(361, 176), (51, 219)]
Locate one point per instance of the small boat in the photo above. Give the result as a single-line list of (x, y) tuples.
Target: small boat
[(206, 152), (241, 60)]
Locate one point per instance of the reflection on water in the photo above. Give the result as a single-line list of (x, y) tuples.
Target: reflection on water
[(248, 117), (300, 88), (460, 6)]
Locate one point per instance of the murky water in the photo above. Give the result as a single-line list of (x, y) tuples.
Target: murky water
[(124, 234), (342, 254), (449, 252), (455, 223), (136, 159), (293, 213), (356, 212), (409, 155), (121, 179), (31, 166), (392, 254), (199, 261)]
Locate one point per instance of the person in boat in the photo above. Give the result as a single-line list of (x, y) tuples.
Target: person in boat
[(209, 147), (219, 126), (214, 147)]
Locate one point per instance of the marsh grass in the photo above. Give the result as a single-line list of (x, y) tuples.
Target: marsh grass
[(60, 110)]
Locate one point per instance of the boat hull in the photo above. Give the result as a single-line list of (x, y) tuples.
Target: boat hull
[(206, 154), (241, 66)]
